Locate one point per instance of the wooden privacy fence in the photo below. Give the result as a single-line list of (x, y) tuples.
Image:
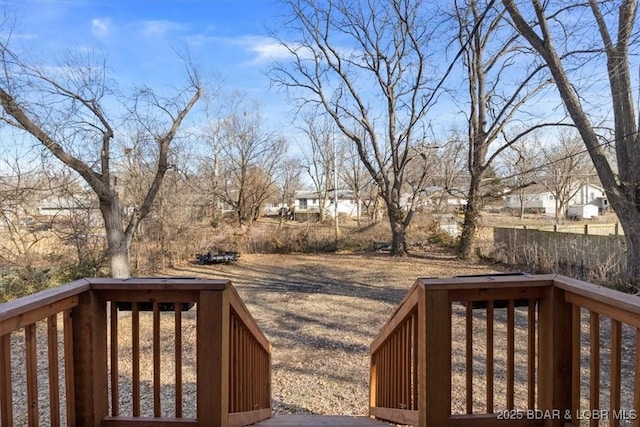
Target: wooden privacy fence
[(515, 351), (598, 258), (95, 366)]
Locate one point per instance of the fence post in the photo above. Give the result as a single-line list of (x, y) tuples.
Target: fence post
[(586, 229), (434, 352), (90, 359), (554, 360), (212, 358), (617, 231)]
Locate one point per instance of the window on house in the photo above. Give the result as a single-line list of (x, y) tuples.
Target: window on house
[(302, 203)]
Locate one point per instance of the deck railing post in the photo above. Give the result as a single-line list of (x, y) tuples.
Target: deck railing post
[(554, 357), (434, 357), (90, 359), (373, 383), (213, 358)]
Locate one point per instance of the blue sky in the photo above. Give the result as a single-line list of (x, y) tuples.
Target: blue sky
[(226, 37)]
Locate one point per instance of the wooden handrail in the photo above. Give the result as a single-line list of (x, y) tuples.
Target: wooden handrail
[(92, 349), (549, 323), (24, 314)]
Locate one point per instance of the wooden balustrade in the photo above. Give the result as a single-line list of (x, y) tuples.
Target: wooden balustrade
[(104, 369), (598, 318), (26, 316), (479, 351)]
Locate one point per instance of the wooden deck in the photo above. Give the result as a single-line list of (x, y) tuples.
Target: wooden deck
[(320, 420), (530, 334)]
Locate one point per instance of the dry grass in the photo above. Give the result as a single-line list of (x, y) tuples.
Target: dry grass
[(321, 313)]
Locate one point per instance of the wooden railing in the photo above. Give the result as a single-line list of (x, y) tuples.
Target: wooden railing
[(123, 355), (512, 351)]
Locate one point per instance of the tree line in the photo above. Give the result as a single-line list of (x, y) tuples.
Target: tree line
[(371, 83)]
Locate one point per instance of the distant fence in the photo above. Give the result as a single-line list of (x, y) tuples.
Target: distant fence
[(613, 229), (601, 259)]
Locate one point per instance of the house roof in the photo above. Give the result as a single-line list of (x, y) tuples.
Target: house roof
[(306, 194)]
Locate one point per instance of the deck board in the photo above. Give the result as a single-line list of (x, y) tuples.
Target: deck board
[(320, 420)]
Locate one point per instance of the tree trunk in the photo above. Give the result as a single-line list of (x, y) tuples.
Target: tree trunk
[(116, 240), (398, 230), (471, 220)]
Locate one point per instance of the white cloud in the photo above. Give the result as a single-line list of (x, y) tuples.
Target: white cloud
[(266, 49), (100, 26), (159, 28)]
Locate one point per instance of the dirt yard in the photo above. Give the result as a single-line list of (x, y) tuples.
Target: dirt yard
[(321, 313)]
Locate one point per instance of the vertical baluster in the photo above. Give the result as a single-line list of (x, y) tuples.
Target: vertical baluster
[(267, 385), (594, 376), (178, 357), (531, 354), (31, 355), (243, 370), (115, 393), (406, 374), (490, 374), (252, 374), (396, 379), (510, 354), (390, 377), (239, 367), (378, 381), (69, 383), (401, 385), (636, 386), (615, 372), (54, 386), (469, 356), (576, 328), (232, 364), (414, 321), (6, 392), (257, 379), (135, 356), (384, 385), (157, 409)]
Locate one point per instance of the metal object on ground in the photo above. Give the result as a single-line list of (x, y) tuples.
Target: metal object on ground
[(217, 257)]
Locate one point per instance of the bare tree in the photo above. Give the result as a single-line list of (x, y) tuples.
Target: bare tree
[(367, 65), (355, 175), (20, 192), (491, 56), (250, 157), (450, 170), (520, 166), (566, 167), (616, 23), (287, 181), (65, 109), (320, 156)]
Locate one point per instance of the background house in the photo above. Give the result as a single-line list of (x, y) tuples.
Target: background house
[(539, 199), (307, 203)]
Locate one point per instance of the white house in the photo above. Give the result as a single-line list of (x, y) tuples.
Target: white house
[(450, 197), (307, 202), (541, 200)]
